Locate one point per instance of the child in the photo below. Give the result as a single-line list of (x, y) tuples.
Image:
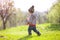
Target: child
[(32, 22)]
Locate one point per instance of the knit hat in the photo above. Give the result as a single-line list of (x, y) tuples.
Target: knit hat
[(31, 9)]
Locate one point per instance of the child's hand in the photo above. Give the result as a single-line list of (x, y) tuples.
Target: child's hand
[(29, 23)]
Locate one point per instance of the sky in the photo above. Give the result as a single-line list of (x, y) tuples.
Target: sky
[(40, 5)]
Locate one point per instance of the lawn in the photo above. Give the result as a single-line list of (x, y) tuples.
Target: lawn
[(48, 32)]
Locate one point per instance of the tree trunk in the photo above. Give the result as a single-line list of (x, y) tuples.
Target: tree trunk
[(4, 25)]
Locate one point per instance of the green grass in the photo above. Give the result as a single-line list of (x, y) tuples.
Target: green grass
[(48, 32)]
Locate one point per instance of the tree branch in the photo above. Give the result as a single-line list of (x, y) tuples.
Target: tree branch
[(7, 17), (1, 14)]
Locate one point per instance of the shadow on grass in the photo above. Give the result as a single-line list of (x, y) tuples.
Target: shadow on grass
[(26, 37), (54, 27)]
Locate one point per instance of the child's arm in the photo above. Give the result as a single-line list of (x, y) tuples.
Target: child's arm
[(27, 21)]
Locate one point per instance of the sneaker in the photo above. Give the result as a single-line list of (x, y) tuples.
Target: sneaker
[(39, 34)]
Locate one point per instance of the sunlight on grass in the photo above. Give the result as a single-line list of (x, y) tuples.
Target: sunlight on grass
[(21, 33)]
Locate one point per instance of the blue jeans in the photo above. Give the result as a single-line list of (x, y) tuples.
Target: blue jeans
[(34, 29)]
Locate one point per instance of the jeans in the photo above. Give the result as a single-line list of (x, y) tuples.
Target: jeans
[(34, 29)]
